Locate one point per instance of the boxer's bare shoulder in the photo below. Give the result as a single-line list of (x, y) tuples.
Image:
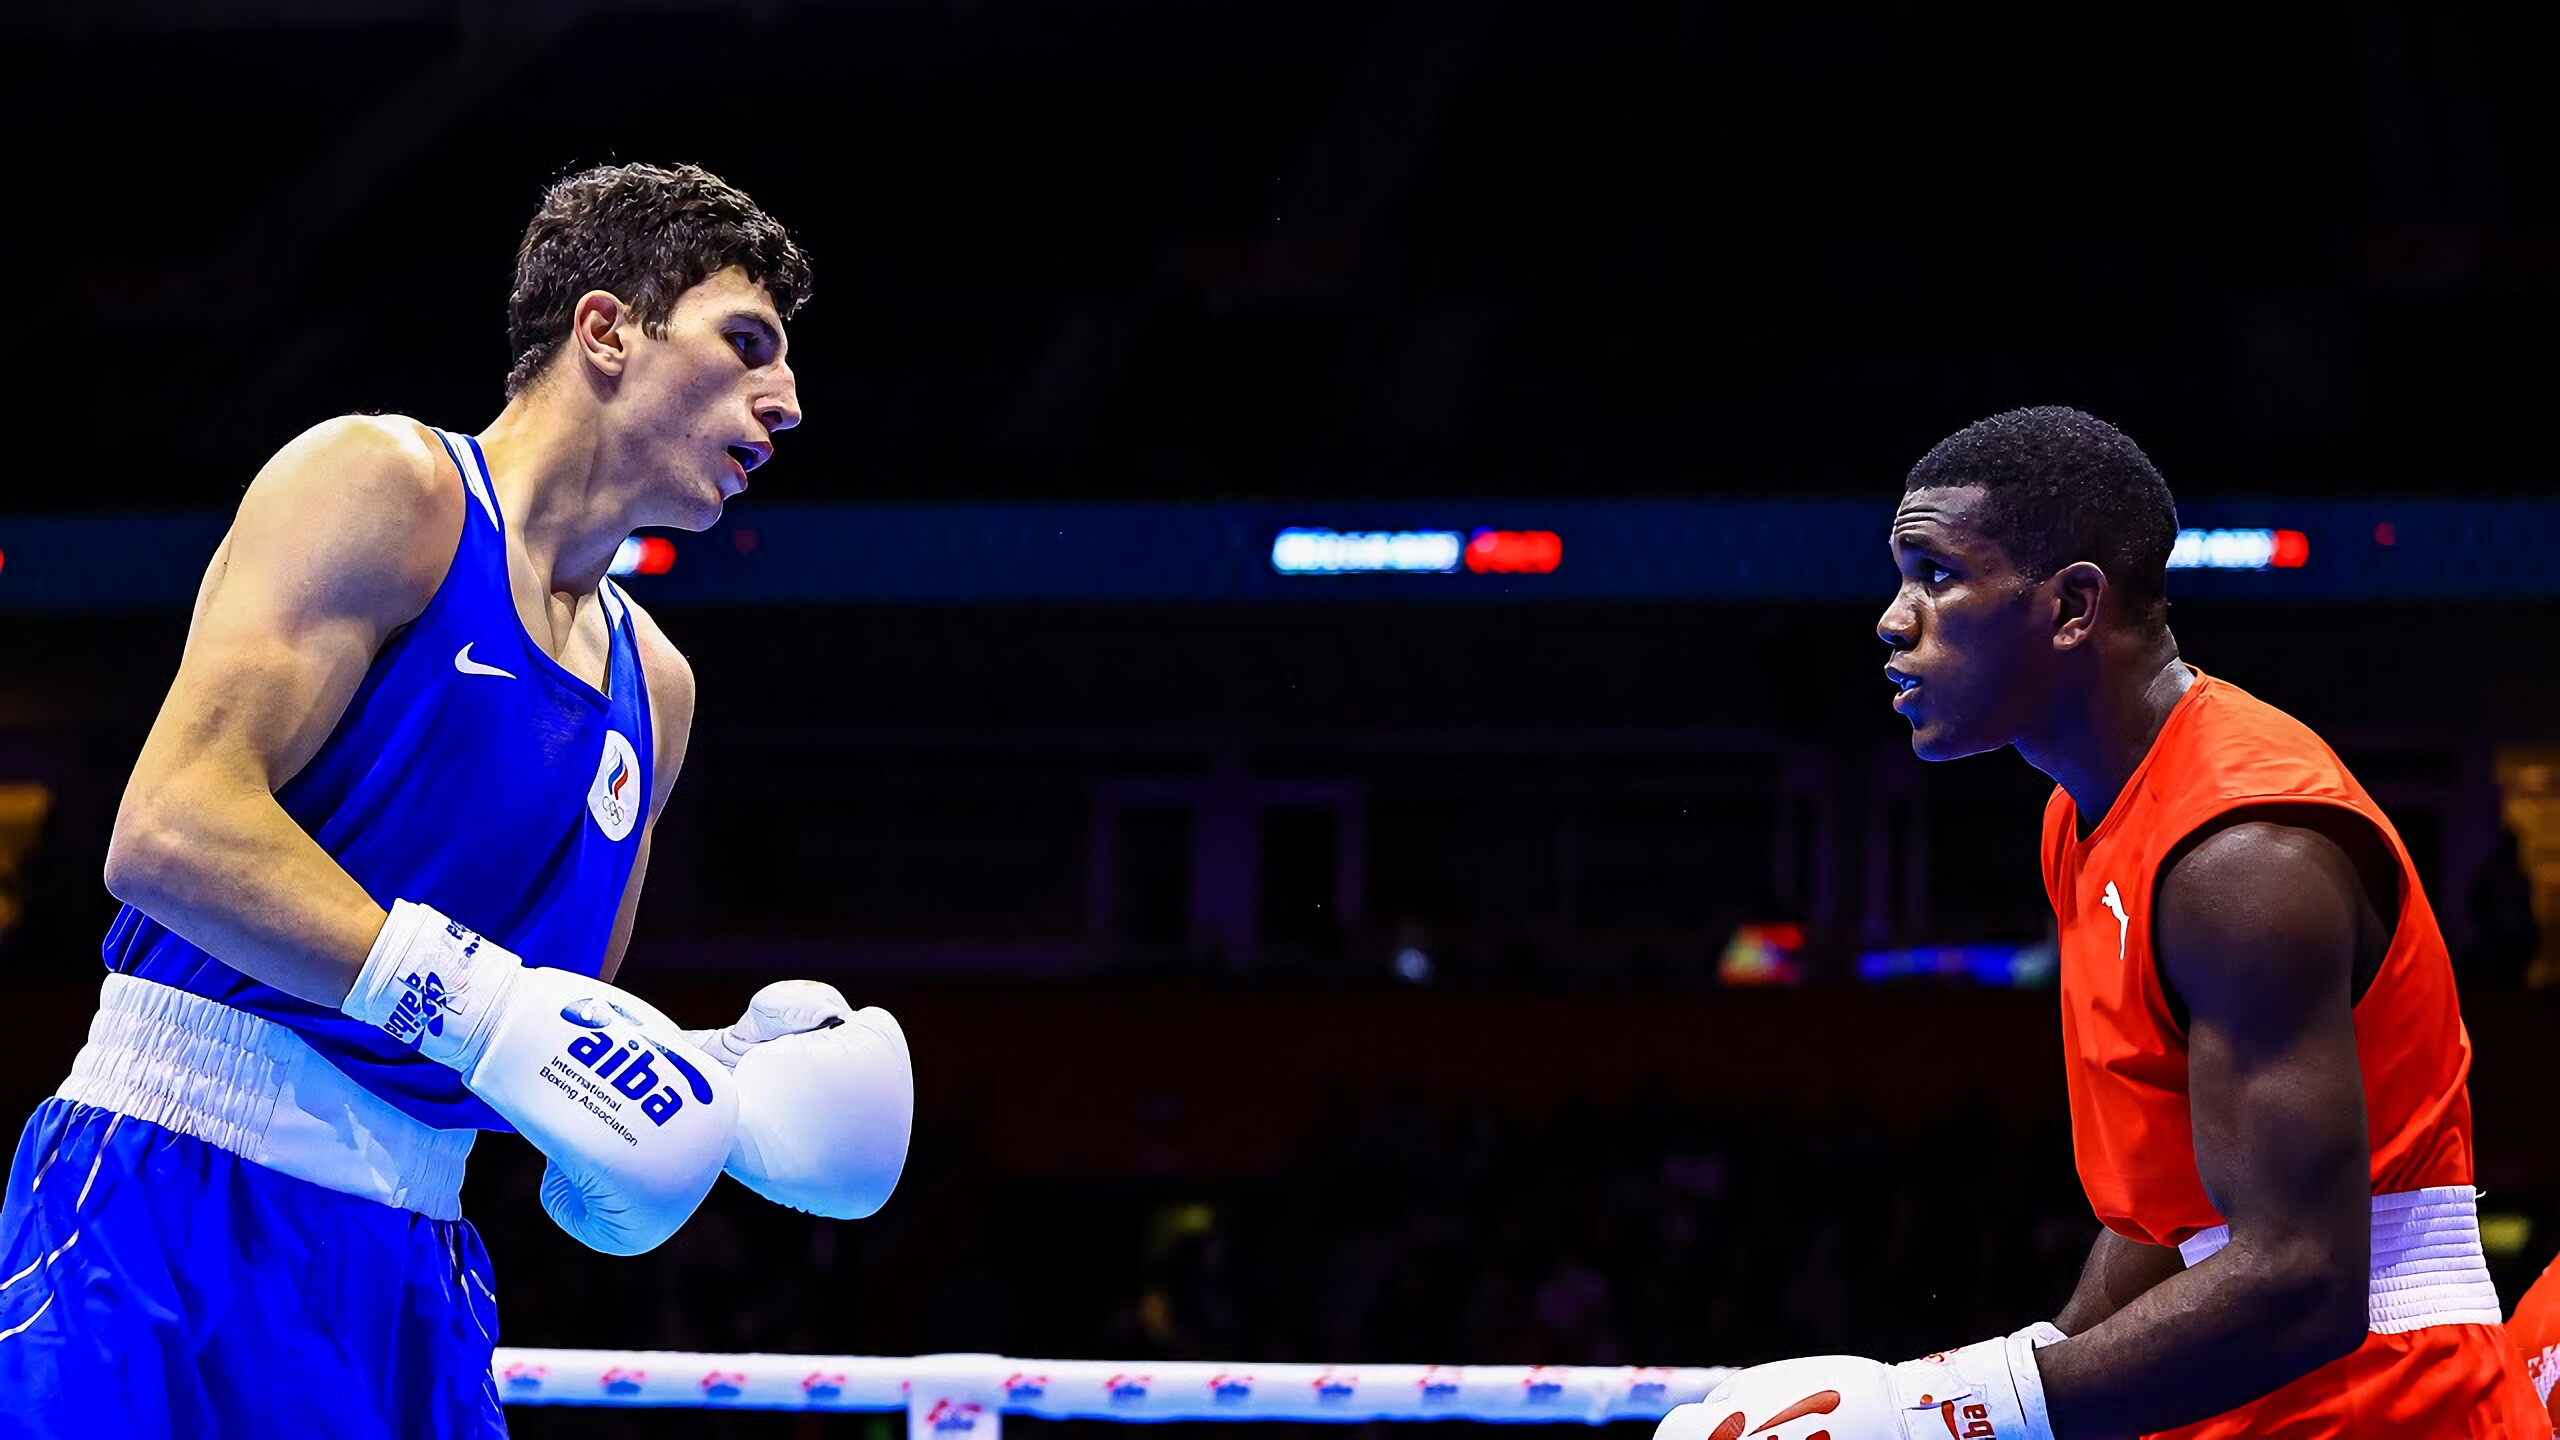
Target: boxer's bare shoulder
[(356, 517), (341, 539)]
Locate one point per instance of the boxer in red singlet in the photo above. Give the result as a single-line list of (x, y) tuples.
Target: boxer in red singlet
[(2535, 1328), (2265, 1060)]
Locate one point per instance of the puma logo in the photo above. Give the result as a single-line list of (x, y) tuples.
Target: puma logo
[(2124, 923)]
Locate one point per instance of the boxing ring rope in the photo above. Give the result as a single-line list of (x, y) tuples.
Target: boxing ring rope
[(965, 1397)]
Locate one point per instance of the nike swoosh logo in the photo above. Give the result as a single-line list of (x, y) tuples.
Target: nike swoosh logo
[(463, 662)]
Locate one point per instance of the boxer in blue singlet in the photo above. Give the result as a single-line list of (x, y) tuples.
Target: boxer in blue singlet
[(379, 859)]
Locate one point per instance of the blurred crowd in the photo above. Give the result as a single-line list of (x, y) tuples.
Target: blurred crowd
[(1645, 1235)]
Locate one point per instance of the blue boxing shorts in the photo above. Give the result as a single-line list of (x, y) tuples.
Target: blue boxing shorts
[(211, 1231)]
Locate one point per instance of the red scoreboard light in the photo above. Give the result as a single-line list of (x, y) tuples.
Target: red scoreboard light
[(2241, 550), (1514, 552), (644, 555)]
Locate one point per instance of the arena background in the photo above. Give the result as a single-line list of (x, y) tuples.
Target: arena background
[(1560, 965)]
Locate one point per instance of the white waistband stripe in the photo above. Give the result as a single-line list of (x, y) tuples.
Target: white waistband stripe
[(256, 1089), (45, 1261), (2428, 1268)]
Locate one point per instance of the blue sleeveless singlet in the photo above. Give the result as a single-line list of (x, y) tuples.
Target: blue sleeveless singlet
[(473, 773)]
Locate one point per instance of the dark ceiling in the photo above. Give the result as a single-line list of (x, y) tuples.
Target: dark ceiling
[(1159, 248)]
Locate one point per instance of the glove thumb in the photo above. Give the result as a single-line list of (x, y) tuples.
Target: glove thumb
[(785, 1007)]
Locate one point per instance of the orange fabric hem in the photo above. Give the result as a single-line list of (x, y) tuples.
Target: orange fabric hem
[(2445, 1382)]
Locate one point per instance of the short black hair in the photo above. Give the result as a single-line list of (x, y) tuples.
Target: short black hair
[(647, 233), (2063, 485)]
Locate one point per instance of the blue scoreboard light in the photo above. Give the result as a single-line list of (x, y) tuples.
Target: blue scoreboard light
[(1485, 551), (1509, 551), (2240, 550)]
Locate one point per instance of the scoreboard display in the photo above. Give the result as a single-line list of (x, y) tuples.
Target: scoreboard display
[(1510, 551)]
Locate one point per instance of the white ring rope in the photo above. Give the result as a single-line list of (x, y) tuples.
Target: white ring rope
[(962, 1397)]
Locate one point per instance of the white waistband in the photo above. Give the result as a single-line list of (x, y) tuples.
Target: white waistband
[(256, 1089), (2427, 1264)]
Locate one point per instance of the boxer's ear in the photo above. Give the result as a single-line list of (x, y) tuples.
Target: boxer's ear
[(597, 331), (2079, 589)]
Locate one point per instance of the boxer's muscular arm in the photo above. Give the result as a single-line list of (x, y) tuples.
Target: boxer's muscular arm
[(671, 721), (2257, 928), (340, 540), (2118, 1270)]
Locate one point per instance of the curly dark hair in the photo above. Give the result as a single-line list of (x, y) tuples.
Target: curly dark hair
[(647, 233), (2063, 485)]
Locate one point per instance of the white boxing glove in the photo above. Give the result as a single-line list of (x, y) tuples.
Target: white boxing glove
[(785, 1007), (634, 1119), (824, 1116), (1986, 1391), (1841, 1397)]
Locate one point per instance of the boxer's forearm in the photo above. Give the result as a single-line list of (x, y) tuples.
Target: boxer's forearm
[(233, 874), (2117, 1273), (2203, 1341)]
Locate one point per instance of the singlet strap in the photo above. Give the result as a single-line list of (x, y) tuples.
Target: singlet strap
[(464, 450), (617, 608)]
